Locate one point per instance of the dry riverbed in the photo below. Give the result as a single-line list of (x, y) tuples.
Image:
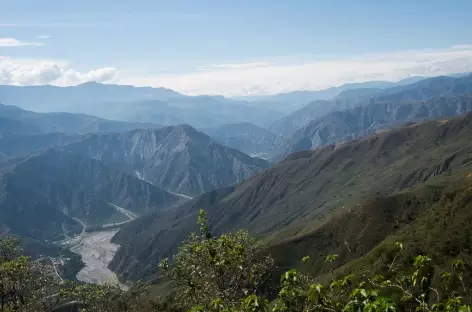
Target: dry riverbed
[(97, 252)]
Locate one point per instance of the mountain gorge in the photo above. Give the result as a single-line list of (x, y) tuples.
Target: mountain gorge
[(245, 137), (62, 188), (177, 158), (351, 153), (300, 194)]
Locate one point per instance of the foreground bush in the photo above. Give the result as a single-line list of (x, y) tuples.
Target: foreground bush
[(230, 273)]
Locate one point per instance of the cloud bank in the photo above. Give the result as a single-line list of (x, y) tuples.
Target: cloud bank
[(40, 72), (261, 77), (12, 43), (253, 77)]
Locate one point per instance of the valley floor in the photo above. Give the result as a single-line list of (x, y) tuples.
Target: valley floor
[(97, 251)]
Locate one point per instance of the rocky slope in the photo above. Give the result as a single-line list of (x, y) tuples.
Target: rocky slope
[(177, 158), (360, 121), (297, 196), (418, 91), (44, 192)]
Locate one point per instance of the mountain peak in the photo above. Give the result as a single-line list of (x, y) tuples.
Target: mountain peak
[(178, 158)]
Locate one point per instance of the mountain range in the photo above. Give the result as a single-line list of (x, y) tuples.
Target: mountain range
[(353, 168), (361, 121), (51, 98), (297, 197), (291, 101), (421, 90), (360, 112), (62, 188), (246, 137), (14, 120), (177, 158), (134, 104), (75, 180)]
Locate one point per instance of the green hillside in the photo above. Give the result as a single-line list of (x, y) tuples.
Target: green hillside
[(299, 196)]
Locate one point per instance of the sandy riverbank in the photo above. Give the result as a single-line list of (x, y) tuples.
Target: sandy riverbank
[(97, 252)]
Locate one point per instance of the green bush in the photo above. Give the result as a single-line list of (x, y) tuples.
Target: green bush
[(230, 273)]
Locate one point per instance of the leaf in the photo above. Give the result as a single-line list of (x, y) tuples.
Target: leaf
[(399, 245), (306, 259), (331, 258)]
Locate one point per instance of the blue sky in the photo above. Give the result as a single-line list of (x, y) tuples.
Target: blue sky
[(231, 47)]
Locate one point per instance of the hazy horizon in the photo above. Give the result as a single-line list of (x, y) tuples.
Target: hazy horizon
[(222, 48)]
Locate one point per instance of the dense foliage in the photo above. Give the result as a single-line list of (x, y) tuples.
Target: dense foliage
[(227, 269), (204, 287), (232, 273)]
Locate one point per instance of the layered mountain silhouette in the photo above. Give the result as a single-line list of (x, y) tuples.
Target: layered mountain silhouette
[(291, 101), (297, 196), (177, 158), (51, 98), (133, 104), (361, 121), (246, 137), (14, 120), (422, 90), (45, 193), (350, 152)]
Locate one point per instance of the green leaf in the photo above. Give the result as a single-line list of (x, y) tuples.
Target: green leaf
[(306, 259)]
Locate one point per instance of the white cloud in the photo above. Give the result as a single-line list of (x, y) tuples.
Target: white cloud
[(43, 37), (39, 72), (257, 77), (11, 42), (261, 77)]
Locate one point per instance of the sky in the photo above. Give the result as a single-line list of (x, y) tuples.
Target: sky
[(232, 48)]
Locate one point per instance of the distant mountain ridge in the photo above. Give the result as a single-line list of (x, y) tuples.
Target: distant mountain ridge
[(361, 121), (178, 158), (18, 121), (136, 104), (291, 101), (417, 91), (245, 137), (46, 98)]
